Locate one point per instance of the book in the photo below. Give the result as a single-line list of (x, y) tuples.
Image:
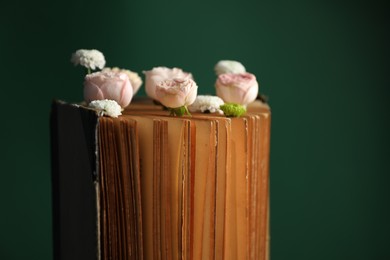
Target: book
[(147, 185)]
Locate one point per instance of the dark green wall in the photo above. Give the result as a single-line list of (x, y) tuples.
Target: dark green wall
[(323, 64)]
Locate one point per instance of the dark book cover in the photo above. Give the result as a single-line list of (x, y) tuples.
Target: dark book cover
[(74, 197)]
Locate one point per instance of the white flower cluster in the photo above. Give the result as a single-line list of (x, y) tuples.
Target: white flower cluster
[(107, 107), (205, 103), (229, 66), (91, 59)]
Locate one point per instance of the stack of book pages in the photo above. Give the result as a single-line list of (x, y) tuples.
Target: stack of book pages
[(147, 185)]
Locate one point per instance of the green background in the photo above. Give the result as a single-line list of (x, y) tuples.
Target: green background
[(323, 64)]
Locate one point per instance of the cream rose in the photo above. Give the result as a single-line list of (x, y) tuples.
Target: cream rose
[(229, 66), (174, 93), (108, 85), (156, 75), (239, 88)]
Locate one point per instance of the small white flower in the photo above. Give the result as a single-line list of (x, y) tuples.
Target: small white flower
[(107, 107), (207, 104), (91, 59), (229, 66)]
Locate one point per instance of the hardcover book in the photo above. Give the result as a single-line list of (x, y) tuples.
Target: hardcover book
[(147, 185)]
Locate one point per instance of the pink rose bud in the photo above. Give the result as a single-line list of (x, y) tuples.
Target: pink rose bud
[(108, 85), (156, 75), (176, 93), (239, 88)]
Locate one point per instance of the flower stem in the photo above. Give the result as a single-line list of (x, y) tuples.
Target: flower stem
[(186, 110), (179, 111)]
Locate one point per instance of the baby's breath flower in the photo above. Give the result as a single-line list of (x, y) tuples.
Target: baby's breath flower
[(91, 59), (205, 103), (107, 107)]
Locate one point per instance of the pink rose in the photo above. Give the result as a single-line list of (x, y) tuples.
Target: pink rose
[(135, 80), (174, 93), (156, 75), (241, 88), (108, 85)]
